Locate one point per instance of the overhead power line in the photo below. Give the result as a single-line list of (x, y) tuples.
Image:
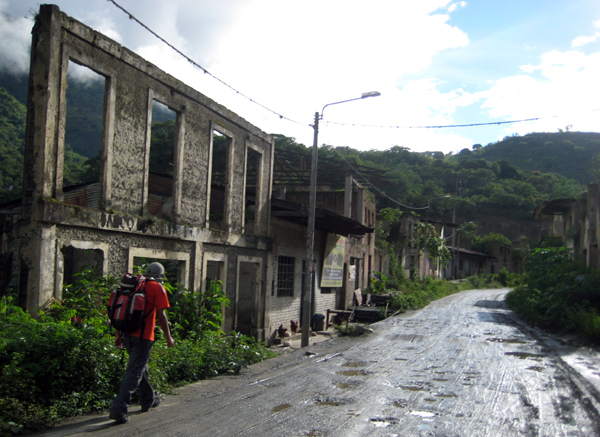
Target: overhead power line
[(381, 192), (283, 117), (491, 123), (195, 64)]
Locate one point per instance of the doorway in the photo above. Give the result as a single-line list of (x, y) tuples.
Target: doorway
[(250, 305)]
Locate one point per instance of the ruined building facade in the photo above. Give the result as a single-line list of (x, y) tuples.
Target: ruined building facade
[(209, 217)]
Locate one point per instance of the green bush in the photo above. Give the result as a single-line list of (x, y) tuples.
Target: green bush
[(417, 295), (52, 369), (559, 294), (64, 363)]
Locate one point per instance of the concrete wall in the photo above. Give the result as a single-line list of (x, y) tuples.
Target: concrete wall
[(289, 239)]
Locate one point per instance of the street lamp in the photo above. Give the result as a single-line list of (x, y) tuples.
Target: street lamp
[(310, 234)]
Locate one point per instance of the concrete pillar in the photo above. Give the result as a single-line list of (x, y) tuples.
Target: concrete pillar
[(348, 196), (42, 260), (43, 103), (42, 155)]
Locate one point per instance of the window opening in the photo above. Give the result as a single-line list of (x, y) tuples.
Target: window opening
[(162, 159), (285, 276), (6, 273), (252, 188), (213, 270), (23, 282), (83, 136), (218, 180), (174, 269), (77, 260)]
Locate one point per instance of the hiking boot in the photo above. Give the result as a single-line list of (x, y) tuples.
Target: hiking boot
[(119, 418), (155, 404)]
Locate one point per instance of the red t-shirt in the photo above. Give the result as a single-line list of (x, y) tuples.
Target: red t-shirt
[(156, 299)]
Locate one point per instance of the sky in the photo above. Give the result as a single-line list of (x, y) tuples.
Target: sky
[(435, 63)]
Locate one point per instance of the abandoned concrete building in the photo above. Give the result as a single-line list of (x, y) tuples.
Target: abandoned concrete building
[(208, 213), (573, 223), (344, 236), (213, 223)]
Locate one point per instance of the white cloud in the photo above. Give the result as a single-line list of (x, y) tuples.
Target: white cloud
[(567, 89), (457, 5), (15, 42), (583, 40)]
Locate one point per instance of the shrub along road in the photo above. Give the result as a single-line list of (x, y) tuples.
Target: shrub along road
[(464, 365)]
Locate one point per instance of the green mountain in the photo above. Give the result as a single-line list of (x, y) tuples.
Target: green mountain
[(85, 103), (497, 195), (12, 145), (570, 154), (15, 85)]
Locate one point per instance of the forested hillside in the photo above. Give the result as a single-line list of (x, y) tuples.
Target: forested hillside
[(498, 196), (570, 154), (12, 143)]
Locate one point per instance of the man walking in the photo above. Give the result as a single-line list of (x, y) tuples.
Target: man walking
[(139, 344)]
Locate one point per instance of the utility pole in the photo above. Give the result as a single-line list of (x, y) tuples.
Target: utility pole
[(310, 240), (309, 279)]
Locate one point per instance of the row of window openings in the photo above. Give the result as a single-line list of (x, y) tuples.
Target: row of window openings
[(77, 260), (83, 154)]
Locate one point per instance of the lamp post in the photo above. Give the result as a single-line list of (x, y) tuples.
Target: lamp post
[(309, 278)]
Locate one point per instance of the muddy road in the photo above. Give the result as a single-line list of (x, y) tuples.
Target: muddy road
[(463, 366)]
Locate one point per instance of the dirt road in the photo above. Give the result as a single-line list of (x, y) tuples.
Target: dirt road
[(463, 366)]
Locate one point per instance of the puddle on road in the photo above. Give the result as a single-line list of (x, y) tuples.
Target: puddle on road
[(440, 379), (352, 365), (536, 368), (328, 403), (525, 355), (280, 408), (423, 414), (410, 387), (445, 395), (400, 404), (506, 340), (352, 373), (343, 385), (430, 400), (384, 422), (314, 433), (401, 359)]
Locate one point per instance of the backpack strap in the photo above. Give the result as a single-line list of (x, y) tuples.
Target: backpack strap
[(140, 288)]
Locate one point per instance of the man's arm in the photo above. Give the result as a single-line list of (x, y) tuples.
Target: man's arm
[(163, 322), (118, 339)]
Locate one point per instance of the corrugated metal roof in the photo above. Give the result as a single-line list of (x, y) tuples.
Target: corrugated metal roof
[(86, 196)]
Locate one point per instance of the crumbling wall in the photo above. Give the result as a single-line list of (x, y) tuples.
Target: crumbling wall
[(121, 225)]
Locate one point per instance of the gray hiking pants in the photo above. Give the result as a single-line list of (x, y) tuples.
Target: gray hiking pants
[(136, 376)]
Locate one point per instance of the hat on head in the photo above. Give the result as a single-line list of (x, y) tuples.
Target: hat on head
[(154, 270)]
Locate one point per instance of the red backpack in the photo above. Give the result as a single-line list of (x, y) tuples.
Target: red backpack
[(126, 304)]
